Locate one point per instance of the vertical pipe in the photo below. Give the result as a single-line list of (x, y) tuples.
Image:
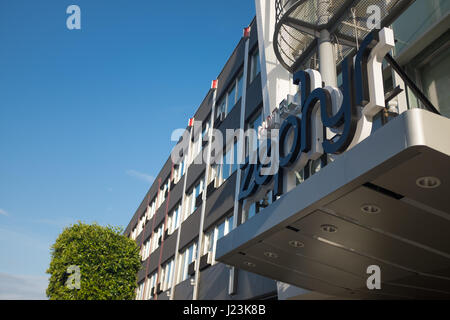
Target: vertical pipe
[(183, 197), (327, 66), (241, 144), (164, 226), (327, 61), (202, 216)]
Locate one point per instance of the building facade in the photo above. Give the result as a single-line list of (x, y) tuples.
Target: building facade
[(211, 229)]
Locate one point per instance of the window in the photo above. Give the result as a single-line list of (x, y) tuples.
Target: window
[(433, 76), (186, 258), (140, 291), (157, 234), (162, 192), (231, 98), (255, 65), (196, 147), (141, 224), (191, 198), (188, 210), (151, 283), (151, 210), (212, 172), (173, 220), (217, 232), (179, 170), (234, 164), (253, 123), (145, 250), (229, 163), (255, 207), (221, 108), (239, 87), (226, 165), (205, 129), (166, 275)]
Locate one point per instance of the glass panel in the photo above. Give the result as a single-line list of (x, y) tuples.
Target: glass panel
[(209, 241), (424, 14), (190, 254), (230, 223), (235, 158), (251, 210), (220, 108), (225, 167), (231, 98), (239, 87), (256, 68), (221, 230), (436, 81)]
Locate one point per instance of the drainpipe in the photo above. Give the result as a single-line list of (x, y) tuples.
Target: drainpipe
[(205, 186), (327, 61), (183, 197), (232, 284)]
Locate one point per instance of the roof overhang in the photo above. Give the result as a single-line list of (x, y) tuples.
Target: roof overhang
[(409, 239)]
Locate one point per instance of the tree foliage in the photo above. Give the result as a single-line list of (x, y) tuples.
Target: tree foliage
[(108, 263)]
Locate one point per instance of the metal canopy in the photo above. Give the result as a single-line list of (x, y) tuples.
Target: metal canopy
[(369, 207), (299, 22)]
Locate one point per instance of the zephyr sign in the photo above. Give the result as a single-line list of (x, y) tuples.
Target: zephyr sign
[(325, 112)]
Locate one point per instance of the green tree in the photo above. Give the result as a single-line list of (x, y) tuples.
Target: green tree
[(107, 260)]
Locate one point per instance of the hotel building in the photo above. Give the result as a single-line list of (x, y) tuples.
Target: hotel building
[(366, 196)]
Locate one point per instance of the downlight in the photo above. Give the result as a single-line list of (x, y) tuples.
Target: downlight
[(370, 209), (249, 264), (271, 255), (296, 244), (428, 182), (329, 228)]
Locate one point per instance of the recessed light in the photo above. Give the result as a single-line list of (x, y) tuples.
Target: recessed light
[(329, 228), (370, 209), (428, 182), (249, 264), (296, 244), (269, 254)]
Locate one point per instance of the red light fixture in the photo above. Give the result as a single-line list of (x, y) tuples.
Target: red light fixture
[(247, 32)]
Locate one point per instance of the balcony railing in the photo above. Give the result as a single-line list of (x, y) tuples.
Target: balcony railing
[(299, 22)]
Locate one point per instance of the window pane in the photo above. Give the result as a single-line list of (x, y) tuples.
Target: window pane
[(252, 210), (436, 81), (221, 230), (210, 241), (239, 87), (225, 167), (220, 108), (235, 158), (230, 223), (231, 99), (255, 65)]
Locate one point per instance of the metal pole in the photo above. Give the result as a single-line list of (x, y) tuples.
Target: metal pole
[(177, 246), (202, 216), (327, 61), (233, 271), (327, 66)]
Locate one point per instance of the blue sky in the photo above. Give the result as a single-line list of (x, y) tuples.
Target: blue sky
[(86, 115)]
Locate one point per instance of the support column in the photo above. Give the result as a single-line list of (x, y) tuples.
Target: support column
[(203, 210), (327, 60), (232, 284), (183, 198)]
